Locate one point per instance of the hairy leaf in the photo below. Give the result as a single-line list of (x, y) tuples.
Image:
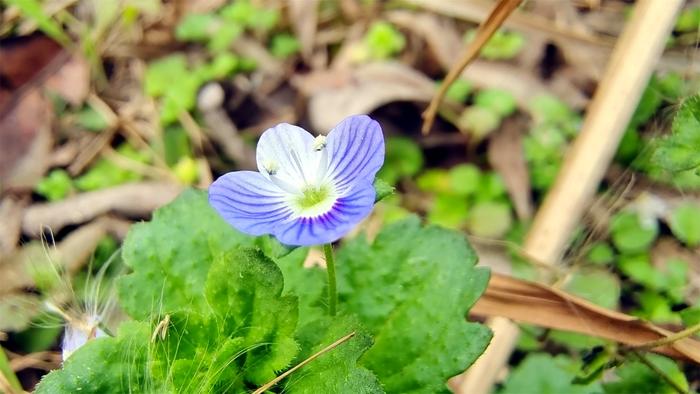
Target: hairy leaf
[(171, 256), (245, 292), (336, 371), (105, 365), (412, 288)]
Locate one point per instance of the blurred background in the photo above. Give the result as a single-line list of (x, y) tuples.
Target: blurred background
[(108, 109)]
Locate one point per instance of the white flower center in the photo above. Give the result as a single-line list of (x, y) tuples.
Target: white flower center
[(310, 192)]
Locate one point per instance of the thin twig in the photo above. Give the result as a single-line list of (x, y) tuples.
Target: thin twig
[(658, 371), (276, 380), (668, 340), (483, 33)]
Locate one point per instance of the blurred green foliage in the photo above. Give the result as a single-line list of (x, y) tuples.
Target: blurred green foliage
[(685, 223), (636, 377), (630, 234), (554, 124), (466, 197), (284, 45), (688, 20), (502, 45), (545, 374), (404, 158), (55, 186), (105, 173), (459, 91), (383, 41)]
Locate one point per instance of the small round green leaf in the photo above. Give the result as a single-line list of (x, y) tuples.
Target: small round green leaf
[(685, 223), (630, 234)]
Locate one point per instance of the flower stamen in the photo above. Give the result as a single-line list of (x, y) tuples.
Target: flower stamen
[(319, 142), (312, 196)]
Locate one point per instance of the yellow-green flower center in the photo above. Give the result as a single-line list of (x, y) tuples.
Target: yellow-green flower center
[(312, 196)]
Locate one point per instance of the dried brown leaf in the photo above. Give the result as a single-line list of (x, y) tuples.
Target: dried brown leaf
[(440, 35), (133, 199), (11, 213), (303, 15), (71, 81), (534, 303), (25, 141), (506, 156), (360, 91)]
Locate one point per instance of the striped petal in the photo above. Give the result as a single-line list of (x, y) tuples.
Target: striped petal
[(355, 152), (250, 202), (330, 226), (286, 154)]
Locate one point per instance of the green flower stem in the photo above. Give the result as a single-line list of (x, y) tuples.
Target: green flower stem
[(330, 267)]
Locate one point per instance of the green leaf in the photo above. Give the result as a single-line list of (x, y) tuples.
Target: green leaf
[(675, 272), (106, 173), (544, 374), (223, 65), (601, 253), (678, 151), (655, 307), (637, 378), (465, 179), (688, 20), (186, 170), (491, 187), (434, 180), (382, 190), (105, 365), (502, 45), (404, 158), (171, 256), (284, 45), (240, 12), (176, 143), (648, 104), (490, 219), (691, 316), (197, 27), (550, 110), (91, 120), (224, 37), (162, 73), (383, 40), (244, 292), (32, 9), (685, 223), (500, 101), (459, 90), (245, 14), (55, 186), (449, 211), (639, 268), (630, 234), (337, 370), (630, 146), (479, 121), (308, 284), (394, 284), (671, 85), (598, 286)]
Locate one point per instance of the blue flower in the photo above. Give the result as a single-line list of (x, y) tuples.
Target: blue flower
[(307, 191)]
